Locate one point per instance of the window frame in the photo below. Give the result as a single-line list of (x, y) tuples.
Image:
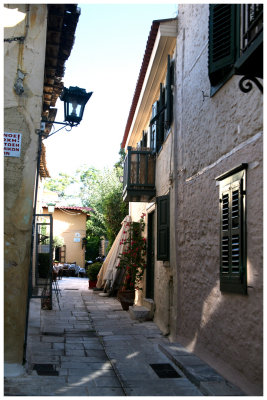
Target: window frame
[(227, 68), (162, 110), (163, 227), (233, 247), (227, 56)]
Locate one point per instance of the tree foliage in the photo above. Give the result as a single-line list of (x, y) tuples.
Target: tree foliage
[(102, 190), (61, 185), (99, 189)]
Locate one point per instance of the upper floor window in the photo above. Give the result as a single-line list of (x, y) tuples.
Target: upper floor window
[(235, 42), (162, 111)]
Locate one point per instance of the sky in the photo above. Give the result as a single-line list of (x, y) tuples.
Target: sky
[(106, 58)]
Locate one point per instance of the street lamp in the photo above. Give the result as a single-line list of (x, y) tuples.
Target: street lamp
[(75, 100), (51, 207)]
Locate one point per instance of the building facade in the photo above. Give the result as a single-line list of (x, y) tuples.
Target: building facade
[(69, 224), (37, 41), (194, 166)]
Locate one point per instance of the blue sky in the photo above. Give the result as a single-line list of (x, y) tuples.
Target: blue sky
[(106, 58)]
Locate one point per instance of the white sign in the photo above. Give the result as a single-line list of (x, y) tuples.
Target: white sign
[(12, 144), (77, 234), (77, 239)]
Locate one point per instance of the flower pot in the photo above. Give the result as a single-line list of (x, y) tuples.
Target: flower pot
[(126, 298), (92, 284)]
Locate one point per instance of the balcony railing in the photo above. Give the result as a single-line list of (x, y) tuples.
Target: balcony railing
[(251, 24), (250, 61), (139, 175)]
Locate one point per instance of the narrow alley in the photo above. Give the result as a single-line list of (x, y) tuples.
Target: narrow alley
[(88, 346)]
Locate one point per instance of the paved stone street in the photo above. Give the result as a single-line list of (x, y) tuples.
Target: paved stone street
[(91, 347)]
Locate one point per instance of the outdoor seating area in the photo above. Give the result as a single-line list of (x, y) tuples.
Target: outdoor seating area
[(68, 270)]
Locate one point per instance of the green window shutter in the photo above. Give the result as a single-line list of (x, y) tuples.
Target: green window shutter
[(160, 121), (154, 127), (222, 41), (169, 95), (233, 234), (163, 227)]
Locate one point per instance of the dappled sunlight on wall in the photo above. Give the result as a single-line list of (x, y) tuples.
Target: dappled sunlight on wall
[(210, 305), (61, 227)]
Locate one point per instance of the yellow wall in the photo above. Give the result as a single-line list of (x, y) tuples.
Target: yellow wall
[(70, 225)]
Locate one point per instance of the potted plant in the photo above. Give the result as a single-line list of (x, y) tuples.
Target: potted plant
[(92, 272), (132, 261)]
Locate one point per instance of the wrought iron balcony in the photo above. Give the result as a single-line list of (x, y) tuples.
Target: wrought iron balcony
[(250, 62), (139, 175)]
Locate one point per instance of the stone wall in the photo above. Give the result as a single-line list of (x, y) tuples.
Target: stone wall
[(21, 115), (215, 134)]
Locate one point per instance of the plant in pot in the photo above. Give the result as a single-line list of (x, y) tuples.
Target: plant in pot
[(132, 261), (92, 272)]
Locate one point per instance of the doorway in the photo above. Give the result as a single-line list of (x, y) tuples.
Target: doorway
[(150, 256), (60, 254)]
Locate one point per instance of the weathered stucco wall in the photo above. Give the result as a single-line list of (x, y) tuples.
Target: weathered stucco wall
[(215, 134), (163, 278), (22, 115)]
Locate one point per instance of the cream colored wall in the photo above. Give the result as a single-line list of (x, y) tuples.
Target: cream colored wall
[(213, 136), (163, 277), (22, 115), (65, 225)]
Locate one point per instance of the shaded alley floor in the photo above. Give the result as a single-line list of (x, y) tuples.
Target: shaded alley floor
[(91, 347)]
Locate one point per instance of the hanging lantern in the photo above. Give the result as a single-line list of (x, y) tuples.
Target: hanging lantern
[(75, 100)]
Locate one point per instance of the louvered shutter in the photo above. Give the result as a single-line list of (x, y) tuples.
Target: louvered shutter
[(232, 236), (163, 227), (169, 95), (62, 254), (160, 121), (222, 40), (154, 127)]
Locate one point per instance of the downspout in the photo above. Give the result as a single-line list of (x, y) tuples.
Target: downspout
[(18, 86)]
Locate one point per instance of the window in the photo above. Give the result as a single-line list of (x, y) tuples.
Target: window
[(163, 227), (222, 42), (233, 269), (235, 42), (162, 111)]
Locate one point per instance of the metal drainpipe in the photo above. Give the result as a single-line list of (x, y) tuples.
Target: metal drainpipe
[(32, 241)]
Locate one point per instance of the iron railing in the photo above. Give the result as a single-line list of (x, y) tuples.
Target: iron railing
[(251, 24), (139, 174), (41, 277)]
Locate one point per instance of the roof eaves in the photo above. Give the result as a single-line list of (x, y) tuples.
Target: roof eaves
[(148, 51)]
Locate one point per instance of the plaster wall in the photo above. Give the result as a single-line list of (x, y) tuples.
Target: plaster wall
[(135, 211), (215, 134), (69, 226), (163, 278), (22, 115)]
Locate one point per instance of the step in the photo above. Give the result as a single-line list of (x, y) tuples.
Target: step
[(139, 313), (198, 372)]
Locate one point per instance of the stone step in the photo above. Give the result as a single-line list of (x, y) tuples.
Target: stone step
[(139, 313), (209, 382)]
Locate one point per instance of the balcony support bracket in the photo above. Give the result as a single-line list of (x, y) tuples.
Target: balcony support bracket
[(245, 84)]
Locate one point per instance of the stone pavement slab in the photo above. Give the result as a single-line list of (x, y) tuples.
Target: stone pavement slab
[(94, 348), (202, 375)]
